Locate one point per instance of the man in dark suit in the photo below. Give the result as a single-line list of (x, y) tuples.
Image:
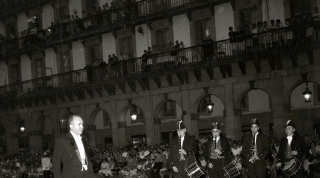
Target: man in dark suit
[(217, 152), (182, 150), (71, 158), (291, 147), (255, 149)]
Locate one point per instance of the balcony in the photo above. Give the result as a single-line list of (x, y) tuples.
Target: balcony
[(270, 44), (111, 20), (13, 7)]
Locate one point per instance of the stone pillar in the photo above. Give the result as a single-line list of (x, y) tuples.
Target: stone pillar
[(91, 132), (122, 133), (35, 141), (278, 107), (229, 110), (157, 130), (237, 121), (195, 125)]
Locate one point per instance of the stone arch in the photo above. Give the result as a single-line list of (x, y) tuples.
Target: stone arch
[(43, 120), (288, 95), (237, 103), (218, 103), (124, 115), (173, 112), (106, 118), (197, 102)]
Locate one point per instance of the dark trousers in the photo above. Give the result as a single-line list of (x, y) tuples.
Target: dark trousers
[(216, 171), (46, 174), (257, 169)]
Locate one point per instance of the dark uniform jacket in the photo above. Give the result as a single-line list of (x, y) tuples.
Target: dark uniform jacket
[(226, 150), (262, 146), (66, 158), (297, 144), (190, 146)]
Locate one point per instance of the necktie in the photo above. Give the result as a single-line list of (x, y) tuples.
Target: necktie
[(253, 144), (253, 140), (215, 142), (179, 142)]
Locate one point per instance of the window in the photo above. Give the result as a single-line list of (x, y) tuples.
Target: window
[(248, 16), (91, 5), (62, 13), (15, 73), (64, 61), (11, 30), (92, 53), (200, 29), (40, 68), (126, 48), (163, 38), (170, 107)]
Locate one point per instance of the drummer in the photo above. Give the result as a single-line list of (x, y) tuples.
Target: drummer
[(291, 148), (255, 149), (182, 150), (217, 152)]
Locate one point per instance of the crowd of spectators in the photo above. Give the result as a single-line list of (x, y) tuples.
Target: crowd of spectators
[(141, 161), (245, 39)]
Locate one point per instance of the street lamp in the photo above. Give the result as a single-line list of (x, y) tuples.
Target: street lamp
[(307, 94), (210, 105), (134, 113)]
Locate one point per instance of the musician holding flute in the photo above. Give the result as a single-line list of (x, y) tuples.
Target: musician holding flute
[(182, 149), (255, 149), (217, 152), (291, 151)]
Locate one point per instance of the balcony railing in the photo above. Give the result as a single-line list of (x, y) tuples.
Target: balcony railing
[(100, 22), (294, 38)]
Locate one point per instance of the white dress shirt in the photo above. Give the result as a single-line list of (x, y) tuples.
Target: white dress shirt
[(289, 139), (81, 149), (182, 139)]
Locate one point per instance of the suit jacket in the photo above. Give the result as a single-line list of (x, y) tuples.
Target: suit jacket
[(189, 145), (66, 158), (226, 150), (297, 144), (262, 143)]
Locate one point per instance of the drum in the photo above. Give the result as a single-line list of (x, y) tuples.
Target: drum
[(292, 167), (194, 171), (231, 170)]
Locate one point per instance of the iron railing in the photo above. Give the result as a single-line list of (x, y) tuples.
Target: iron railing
[(294, 38)]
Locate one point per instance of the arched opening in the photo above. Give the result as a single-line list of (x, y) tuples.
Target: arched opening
[(170, 111), (256, 104), (305, 114), (103, 132), (218, 107), (297, 99), (134, 109)]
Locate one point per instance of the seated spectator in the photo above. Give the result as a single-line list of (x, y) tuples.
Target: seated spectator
[(235, 149)]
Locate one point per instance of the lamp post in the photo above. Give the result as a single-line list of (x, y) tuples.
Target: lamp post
[(210, 105), (307, 94), (134, 113)]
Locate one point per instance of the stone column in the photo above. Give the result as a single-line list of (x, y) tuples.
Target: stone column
[(122, 133), (156, 130), (195, 125), (237, 121), (91, 132), (278, 107), (230, 128)]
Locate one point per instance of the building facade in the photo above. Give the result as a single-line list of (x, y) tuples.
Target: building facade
[(57, 59)]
